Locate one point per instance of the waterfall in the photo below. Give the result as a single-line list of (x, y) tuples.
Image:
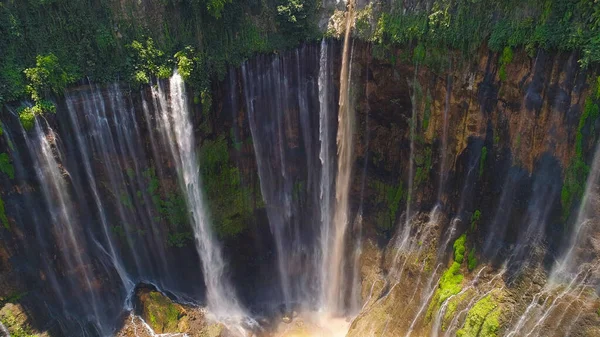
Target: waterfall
[(279, 92), (221, 297), (275, 182), (334, 293), (325, 155), (444, 148), (577, 256), (83, 149), (403, 236), (74, 256), (356, 286)]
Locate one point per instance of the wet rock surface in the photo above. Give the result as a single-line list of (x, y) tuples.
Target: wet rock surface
[(155, 313)]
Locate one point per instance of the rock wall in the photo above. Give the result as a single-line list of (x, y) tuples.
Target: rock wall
[(434, 148)]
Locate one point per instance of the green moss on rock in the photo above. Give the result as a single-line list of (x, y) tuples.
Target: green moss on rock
[(161, 313), (472, 260), (230, 201), (459, 249), (450, 284), (483, 320), (453, 304)]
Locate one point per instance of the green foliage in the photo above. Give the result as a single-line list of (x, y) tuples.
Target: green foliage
[(577, 171), (483, 320), (475, 219), (15, 326), (230, 201), (467, 25), (169, 207), (47, 76), (450, 284), (215, 7), (3, 217), (27, 114), (459, 249), (423, 166), (451, 281), (427, 111), (388, 198), (106, 41), (482, 159), (295, 17), (148, 61), (172, 210), (363, 27), (453, 304), (419, 54), (472, 260), (505, 59), (5, 165)]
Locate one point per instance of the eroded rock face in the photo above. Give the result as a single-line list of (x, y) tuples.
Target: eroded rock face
[(404, 293)]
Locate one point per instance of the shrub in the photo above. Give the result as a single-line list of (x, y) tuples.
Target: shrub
[(27, 114), (482, 160), (475, 219), (577, 171), (459, 249), (3, 217), (5, 166), (48, 76), (229, 200), (148, 61), (472, 260), (505, 59)]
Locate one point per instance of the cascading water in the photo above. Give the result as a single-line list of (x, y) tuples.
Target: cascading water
[(577, 256), (221, 297), (334, 283), (282, 128), (327, 162), (74, 255)]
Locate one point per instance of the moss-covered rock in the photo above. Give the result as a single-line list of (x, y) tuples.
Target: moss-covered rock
[(160, 312), (483, 318)]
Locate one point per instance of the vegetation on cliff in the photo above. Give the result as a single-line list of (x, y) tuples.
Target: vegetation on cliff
[(483, 319), (466, 25), (14, 319), (577, 171), (451, 280), (48, 44), (231, 203)]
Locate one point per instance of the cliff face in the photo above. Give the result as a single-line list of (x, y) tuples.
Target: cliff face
[(438, 153)]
